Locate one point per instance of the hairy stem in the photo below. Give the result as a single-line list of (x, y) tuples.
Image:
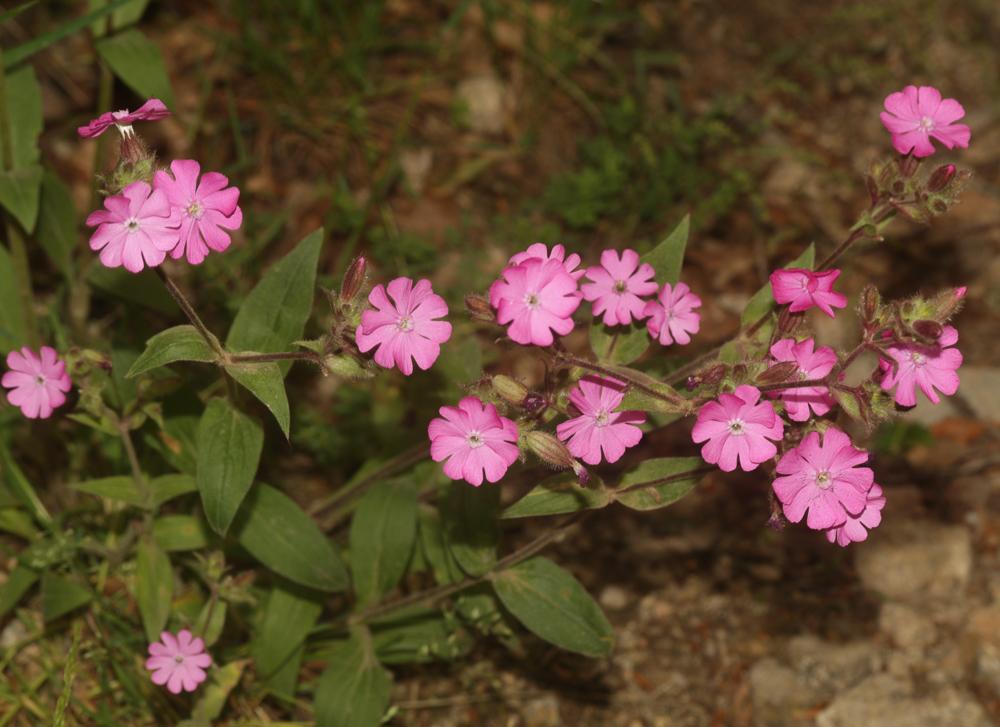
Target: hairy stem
[(141, 484), (280, 356), (190, 312), (612, 373)]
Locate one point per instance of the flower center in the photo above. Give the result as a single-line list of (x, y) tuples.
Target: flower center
[(927, 124), (823, 480), (602, 417), (405, 323), (474, 439), (736, 427), (40, 380), (620, 286), (195, 209), (918, 358), (132, 224), (179, 659), (531, 300)]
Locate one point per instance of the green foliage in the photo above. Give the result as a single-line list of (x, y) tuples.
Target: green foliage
[(154, 587), (180, 343), (267, 383), (681, 475), (19, 194), (62, 595), (289, 614), (383, 532), (762, 301), (354, 689), (57, 220), (558, 495), (138, 62), (11, 315), (472, 528)]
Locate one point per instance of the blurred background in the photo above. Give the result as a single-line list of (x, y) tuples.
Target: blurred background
[(437, 138)]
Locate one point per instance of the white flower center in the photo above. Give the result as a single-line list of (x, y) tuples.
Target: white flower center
[(405, 323), (531, 300), (736, 427), (927, 124), (620, 286), (40, 380), (601, 417), (194, 209), (179, 659), (823, 480), (918, 359), (474, 439), (132, 224)]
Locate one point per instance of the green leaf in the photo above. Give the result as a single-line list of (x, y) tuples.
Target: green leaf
[(680, 475), (24, 115), (60, 595), (143, 288), (383, 531), (267, 383), (214, 693), (667, 258), (11, 315), (354, 689), (154, 587), (123, 488), (19, 582), (57, 223), (138, 62), (211, 631), (229, 447), (552, 604), (560, 494), (180, 532), (17, 522), (19, 193), (129, 14), (472, 526), (43, 41), (419, 636), (274, 315), (434, 546), (180, 343), (279, 534), (762, 301), (20, 487), (289, 614)]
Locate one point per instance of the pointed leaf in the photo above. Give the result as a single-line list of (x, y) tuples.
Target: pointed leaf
[(354, 689), (19, 582), (472, 526), (266, 382), (229, 447), (11, 313), (560, 494), (180, 343), (60, 595), (24, 115), (19, 193), (180, 532), (57, 223), (383, 531), (154, 587), (136, 60), (669, 478), (289, 614), (667, 258)]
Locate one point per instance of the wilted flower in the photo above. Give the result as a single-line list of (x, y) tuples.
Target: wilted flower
[(153, 110)]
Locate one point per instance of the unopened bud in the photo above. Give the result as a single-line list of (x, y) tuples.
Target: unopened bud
[(928, 330), (534, 402), (132, 150), (941, 177), (354, 279), (872, 185), (959, 293), (550, 450), (480, 309), (908, 165), (778, 373), (870, 303), (582, 475), (713, 375), (947, 303), (509, 390)]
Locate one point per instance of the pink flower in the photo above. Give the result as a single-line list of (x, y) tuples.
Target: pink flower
[(738, 427), (134, 229), (404, 328), (856, 527), (152, 110), (473, 440), (618, 284), (201, 209), (600, 429), (540, 251), (802, 403), (824, 479), (930, 367), (38, 384), (914, 115), (672, 318), (536, 297), (805, 289), (179, 662)]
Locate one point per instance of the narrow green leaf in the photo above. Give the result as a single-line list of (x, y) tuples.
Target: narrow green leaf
[(354, 689), (11, 316), (289, 614), (129, 14), (19, 582), (419, 636), (20, 487), (16, 10), (383, 531), (560, 494), (136, 60), (274, 315), (17, 522), (667, 258), (211, 630), (19, 194), (284, 682), (57, 223), (154, 587), (434, 546), (43, 41), (143, 288), (472, 526), (552, 604), (123, 488), (279, 534), (229, 447), (214, 693), (24, 115), (267, 383), (60, 595), (180, 343), (762, 301), (674, 469), (180, 532)]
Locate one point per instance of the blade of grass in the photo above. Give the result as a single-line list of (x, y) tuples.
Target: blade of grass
[(26, 50)]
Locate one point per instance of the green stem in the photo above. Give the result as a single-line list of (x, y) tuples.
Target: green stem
[(141, 484), (252, 358), (615, 374), (190, 312)]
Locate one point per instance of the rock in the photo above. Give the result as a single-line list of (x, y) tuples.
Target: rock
[(913, 559), (830, 668), (884, 701), (542, 712), (906, 627), (483, 96), (778, 693), (416, 165), (614, 598), (980, 389)]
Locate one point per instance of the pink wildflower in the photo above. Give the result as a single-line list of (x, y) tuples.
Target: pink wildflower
[(738, 427), (672, 318), (825, 479), (618, 285), (134, 229), (473, 440), (600, 429), (404, 328), (540, 251), (930, 367), (536, 297), (179, 662), (856, 527), (914, 115), (802, 403), (38, 384), (201, 209), (153, 110), (805, 289)]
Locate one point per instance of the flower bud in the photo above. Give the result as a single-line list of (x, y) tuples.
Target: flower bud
[(941, 177), (550, 450), (908, 165), (871, 301), (354, 279), (480, 309), (509, 390), (778, 373), (873, 191), (928, 330), (713, 375), (534, 402)]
